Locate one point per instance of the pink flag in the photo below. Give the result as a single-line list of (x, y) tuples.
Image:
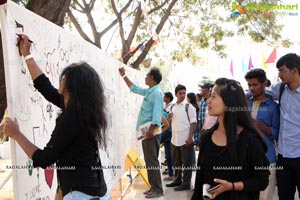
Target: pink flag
[(272, 57), (250, 65), (231, 68)]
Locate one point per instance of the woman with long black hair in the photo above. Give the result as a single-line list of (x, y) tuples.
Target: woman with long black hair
[(232, 153), (79, 130)]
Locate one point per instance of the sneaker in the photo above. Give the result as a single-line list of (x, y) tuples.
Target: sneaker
[(153, 195), (173, 184), (168, 178), (147, 192), (182, 187)]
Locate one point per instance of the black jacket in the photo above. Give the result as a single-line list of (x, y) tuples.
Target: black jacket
[(250, 155), (72, 147)]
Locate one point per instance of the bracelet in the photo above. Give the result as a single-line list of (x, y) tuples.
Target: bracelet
[(28, 57), (124, 76), (232, 186)]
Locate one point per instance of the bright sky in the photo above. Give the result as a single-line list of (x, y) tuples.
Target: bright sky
[(239, 50)]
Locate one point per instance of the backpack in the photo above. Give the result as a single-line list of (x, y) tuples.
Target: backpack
[(281, 89)]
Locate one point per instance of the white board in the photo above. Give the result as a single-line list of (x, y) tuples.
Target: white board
[(53, 49)]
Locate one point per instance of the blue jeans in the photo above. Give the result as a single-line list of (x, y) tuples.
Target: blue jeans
[(75, 195), (166, 139)]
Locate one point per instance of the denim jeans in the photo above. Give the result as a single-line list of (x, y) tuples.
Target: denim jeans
[(75, 195)]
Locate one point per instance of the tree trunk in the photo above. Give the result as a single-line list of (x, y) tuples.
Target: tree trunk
[(52, 10), (2, 83)]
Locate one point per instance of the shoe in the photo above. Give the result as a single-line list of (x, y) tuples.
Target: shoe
[(173, 184), (182, 187), (147, 192), (168, 178), (153, 195)]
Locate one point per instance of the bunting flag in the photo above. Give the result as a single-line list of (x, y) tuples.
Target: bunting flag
[(272, 57), (244, 67), (231, 68), (263, 59), (250, 64)]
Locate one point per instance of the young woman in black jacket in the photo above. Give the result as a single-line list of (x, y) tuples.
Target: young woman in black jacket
[(79, 129), (232, 153)]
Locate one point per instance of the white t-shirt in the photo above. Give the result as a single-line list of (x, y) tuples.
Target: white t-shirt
[(181, 122)]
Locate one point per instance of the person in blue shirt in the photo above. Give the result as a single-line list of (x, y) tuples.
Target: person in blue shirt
[(265, 113), (151, 111), (288, 94)]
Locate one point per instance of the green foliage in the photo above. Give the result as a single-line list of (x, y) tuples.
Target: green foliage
[(192, 25), (21, 2)]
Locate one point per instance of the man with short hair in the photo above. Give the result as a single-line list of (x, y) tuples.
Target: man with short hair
[(288, 94), (265, 113), (168, 98), (151, 111), (183, 119), (205, 95)]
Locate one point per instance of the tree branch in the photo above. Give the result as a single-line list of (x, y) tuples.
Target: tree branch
[(91, 5), (121, 29), (158, 7), (150, 42), (137, 21), (116, 20), (78, 27), (92, 24), (77, 3)]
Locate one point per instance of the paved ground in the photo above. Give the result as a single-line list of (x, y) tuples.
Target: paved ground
[(134, 192)]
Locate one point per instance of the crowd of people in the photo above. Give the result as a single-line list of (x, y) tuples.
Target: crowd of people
[(248, 143)]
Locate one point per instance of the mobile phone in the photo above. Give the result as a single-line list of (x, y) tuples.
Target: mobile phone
[(213, 188)]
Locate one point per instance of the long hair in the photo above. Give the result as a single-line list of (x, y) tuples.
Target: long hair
[(193, 101), (87, 98), (236, 112)]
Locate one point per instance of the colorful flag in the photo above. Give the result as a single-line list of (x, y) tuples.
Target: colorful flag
[(250, 64), (272, 57), (263, 59), (231, 68), (244, 67)]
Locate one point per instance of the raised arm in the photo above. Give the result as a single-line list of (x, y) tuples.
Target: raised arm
[(41, 82), (126, 79), (24, 47)]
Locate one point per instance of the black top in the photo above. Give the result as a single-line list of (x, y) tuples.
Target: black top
[(251, 167), (72, 147)]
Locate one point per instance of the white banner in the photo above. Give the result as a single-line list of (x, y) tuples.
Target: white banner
[(54, 48)]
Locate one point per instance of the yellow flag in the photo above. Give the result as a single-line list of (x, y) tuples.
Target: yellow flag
[(263, 59)]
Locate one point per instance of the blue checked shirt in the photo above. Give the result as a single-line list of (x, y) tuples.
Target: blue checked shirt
[(152, 106), (289, 132), (202, 110)]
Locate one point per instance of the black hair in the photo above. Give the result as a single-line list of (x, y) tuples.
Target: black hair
[(268, 83), (87, 98), (236, 112), (179, 87), (169, 95), (193, 101), (257, 73), (156, 74), (290, 60)]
